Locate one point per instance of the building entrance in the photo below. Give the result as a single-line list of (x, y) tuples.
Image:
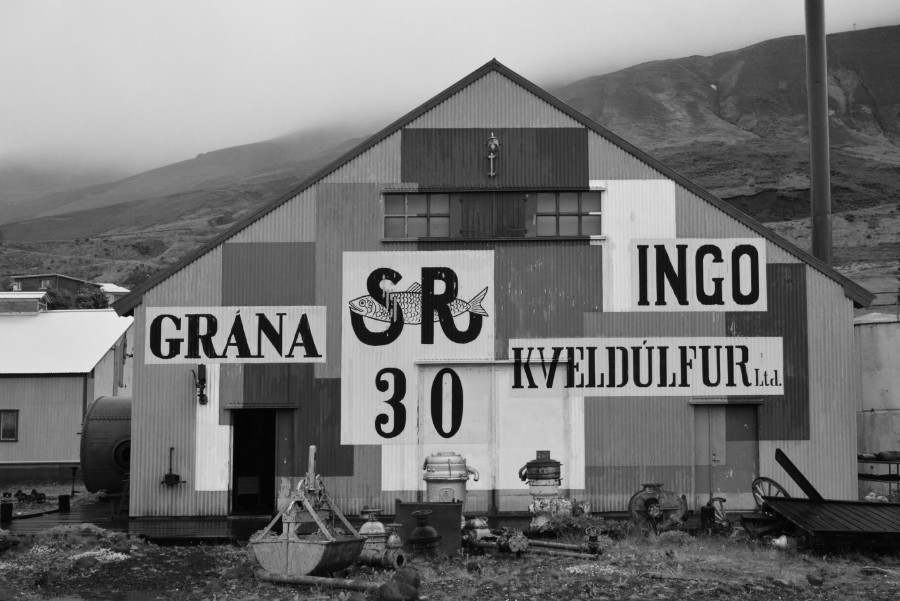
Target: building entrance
[(726, 454), (253, 462)]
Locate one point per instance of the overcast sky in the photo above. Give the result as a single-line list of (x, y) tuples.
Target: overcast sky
[(150, 82)]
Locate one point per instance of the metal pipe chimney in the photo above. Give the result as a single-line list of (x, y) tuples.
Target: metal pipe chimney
[(817, 102)]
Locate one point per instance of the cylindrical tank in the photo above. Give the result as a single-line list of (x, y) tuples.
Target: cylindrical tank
[(446, 474), (106, 444)]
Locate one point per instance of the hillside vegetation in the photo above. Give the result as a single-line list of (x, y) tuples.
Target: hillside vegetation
[(734, 123)]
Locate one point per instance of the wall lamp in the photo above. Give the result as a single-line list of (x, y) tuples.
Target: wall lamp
[(200, 383), (493, 145)]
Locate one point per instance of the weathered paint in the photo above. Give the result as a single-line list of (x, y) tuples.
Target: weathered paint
[(536, 158), (50, 413), (632, 210), (350, 219), (493, 101), (213, 448), (294, 221), (268, 273), (629, 438), (164, 406), (607, 161), (787, 418), (380, 164), (163, 416), (697, 218), (341, 212), (536, 299), (878, 345), (828, 458)]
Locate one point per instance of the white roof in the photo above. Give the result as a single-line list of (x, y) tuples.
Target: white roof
[(20, 295), (113, 288), (58, 342)]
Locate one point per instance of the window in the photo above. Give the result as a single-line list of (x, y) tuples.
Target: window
[(566, 214), (45, 284), (492, 215), (17, 286), (416, 215), (9, 425)]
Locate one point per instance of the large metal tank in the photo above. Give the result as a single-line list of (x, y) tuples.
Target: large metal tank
[(106, 444)]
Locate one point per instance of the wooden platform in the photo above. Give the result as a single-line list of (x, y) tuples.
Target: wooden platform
[(841, 523)]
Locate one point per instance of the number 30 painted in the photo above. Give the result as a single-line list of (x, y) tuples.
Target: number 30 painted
[(437, 402)]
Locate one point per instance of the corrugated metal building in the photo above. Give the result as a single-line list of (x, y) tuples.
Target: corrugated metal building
[(53, 364), (492, 274)]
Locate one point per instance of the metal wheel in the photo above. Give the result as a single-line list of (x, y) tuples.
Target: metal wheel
[(721, 517), (766, 487)]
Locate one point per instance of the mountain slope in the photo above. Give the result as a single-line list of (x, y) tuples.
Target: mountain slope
[(208, 171), (734, 123)]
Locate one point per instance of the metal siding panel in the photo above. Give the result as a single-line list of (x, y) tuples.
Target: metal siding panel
[(828, 458), (50, 416), (318, 422), (610, 488), (632, 210), (628, 440), (269, 386), (197, 285), (528, 158), (786, 417), (379, 164), (268, 273), (357, 490), (645, 323), (163, 404), (696, 218), (163, 416), (294, 221), (350, 219), (878, 345), (607, 161), (543, 290), (494, 101)]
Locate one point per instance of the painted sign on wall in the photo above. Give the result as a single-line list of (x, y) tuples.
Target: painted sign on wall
[(402, 309), (234, 335), (685, 274), (684, 366)]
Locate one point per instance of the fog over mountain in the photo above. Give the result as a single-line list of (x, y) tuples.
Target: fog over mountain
[(734, 122)]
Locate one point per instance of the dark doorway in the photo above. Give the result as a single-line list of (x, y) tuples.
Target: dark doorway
[(253, 462)]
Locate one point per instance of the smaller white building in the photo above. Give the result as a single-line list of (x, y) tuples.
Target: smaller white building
[(53, 364)]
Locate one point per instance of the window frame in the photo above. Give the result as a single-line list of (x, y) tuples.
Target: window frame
[(579, 213), (406, 215), (15, 414), (454, 214)]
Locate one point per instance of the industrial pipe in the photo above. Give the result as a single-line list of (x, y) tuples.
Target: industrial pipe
[(817, 104), (564, 546), (342, 583), (542, 551), (383, 558)]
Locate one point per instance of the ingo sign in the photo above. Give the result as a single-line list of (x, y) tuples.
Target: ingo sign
[(687, 274), (235, 335)]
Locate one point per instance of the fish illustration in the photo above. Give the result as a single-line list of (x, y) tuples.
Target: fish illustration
[(410, 302)]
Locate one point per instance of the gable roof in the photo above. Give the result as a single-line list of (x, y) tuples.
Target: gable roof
[(854, 291), (58, 342)]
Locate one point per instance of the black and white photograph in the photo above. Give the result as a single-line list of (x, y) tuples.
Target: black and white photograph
[(397, 300)]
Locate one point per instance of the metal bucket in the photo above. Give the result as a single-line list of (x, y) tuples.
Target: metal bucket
[(298, 557)]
